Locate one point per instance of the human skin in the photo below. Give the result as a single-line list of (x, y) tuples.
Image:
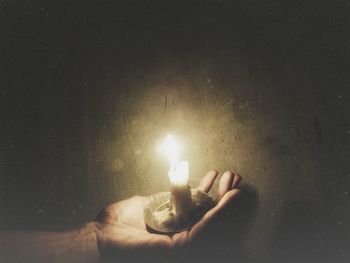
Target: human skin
[(118, 234)]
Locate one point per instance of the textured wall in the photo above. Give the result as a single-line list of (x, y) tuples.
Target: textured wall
[(88, 90)]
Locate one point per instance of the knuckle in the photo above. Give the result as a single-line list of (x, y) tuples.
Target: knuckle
[(228, 173), (213, 171)]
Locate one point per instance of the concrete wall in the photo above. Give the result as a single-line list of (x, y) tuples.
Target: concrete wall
[(88, 90)]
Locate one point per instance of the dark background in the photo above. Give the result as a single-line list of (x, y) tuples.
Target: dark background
[(88, 88)]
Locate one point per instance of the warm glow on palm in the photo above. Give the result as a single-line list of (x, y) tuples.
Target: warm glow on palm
[(122, 227)]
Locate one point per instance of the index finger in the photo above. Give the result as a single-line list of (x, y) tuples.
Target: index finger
[(207, 181)]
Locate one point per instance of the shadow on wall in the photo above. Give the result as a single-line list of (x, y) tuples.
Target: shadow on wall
[(224, 240), (309, 233)]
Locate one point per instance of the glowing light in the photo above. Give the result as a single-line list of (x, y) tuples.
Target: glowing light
[(178, 172), (171, 149)]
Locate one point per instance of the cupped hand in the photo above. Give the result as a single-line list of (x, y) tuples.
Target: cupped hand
[(122, 231)]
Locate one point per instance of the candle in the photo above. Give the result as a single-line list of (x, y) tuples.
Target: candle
[(180, 197), (180, 209)]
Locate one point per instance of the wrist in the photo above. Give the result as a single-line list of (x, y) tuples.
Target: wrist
[(90, 233)]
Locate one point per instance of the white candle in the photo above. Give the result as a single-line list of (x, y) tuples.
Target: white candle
[(178, 175)]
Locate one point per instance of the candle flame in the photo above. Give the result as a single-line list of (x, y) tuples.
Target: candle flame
[(171, 149), (178, 172)]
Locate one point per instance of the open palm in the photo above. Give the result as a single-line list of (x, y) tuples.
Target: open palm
[(122, 230)]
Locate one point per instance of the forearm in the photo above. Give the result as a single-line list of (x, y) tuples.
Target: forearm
[(71, 246)]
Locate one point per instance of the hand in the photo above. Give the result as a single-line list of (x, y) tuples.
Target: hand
[(122, 231)]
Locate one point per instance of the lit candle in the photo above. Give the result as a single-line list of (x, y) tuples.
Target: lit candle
[(180, 209), (178, 174)]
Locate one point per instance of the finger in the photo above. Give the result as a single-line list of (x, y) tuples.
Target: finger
[(236, 181), (227, 199), (207, 181), (225, 184)]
